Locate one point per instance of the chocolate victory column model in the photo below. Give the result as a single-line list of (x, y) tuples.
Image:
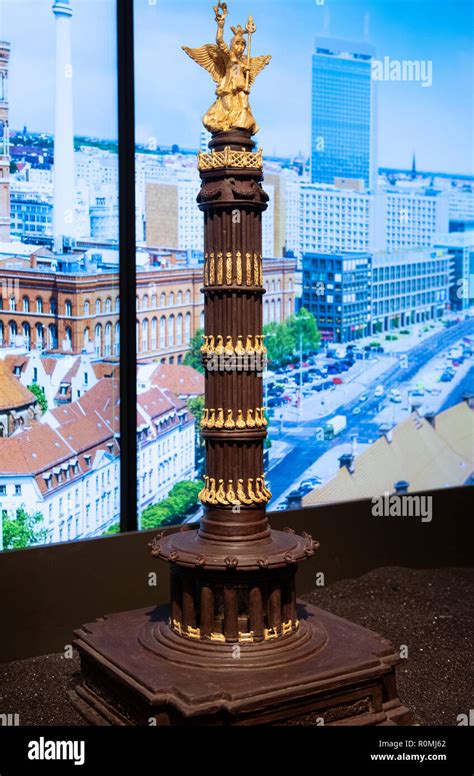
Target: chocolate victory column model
[(233, 609), (233, 580)]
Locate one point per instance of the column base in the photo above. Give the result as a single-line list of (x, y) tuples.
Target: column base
[(135, 671)]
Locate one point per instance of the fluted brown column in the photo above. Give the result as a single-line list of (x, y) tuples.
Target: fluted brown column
[(233, 200)]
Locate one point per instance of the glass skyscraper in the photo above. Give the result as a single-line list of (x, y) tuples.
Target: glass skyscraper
[(343, 142)]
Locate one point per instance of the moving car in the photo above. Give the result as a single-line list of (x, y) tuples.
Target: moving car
[(395, 396)]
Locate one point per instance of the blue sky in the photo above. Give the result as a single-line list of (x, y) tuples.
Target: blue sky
[(173, 93)]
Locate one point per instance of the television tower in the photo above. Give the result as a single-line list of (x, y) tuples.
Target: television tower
[(64, 211), (4, 146)]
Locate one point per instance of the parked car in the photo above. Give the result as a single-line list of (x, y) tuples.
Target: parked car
[(337, 381), (274, 401), (446, 377), (363, 397), (418, 392), (379, 392)]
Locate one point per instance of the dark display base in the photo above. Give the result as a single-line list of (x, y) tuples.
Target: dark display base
[(136, 671)]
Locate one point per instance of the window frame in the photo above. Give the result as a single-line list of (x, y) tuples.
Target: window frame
[(127, 255)]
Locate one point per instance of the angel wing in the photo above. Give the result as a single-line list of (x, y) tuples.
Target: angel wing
[(210, 57), (256, 66)]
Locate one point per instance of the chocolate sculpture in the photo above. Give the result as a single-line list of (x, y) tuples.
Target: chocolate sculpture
[(234, 647)]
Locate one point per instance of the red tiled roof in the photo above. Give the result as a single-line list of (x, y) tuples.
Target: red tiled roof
[(102, 369), (49, 364), (157, 401), (12, 393), (68, 414), (16, 361), (85, 433), (84, 428), (72, 372), (33, 450), (181, 379), (103, 398)]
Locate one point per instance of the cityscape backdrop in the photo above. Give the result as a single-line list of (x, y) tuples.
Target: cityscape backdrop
[(368, 244)]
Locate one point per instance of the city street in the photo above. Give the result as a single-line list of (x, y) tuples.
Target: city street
[(405, 371)]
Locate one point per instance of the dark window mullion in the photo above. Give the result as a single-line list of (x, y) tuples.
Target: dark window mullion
[(128, 352)]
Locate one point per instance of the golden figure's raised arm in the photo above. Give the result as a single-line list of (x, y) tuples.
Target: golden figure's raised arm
[(221, 15)]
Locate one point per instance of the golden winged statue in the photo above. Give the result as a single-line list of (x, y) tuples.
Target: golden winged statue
[(233, 71)]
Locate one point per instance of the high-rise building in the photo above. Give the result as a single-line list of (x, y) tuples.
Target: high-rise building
[(343, 140), (4, 149), (174, 221), (408, 287), (293, 218), (336, 289), (408, 219), (461, 250), (334, 219), (64, 213), (204, 140), (461, 208), (358, 294)]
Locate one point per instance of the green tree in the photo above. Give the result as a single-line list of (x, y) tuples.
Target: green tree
[(38, 391), (193, 357), (283, 339), (112, 529), (279, 343), (23, 530), (303, 325), (196, 407), (181, 500)]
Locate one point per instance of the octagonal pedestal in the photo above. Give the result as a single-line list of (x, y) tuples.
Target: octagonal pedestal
[(137, 671)]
